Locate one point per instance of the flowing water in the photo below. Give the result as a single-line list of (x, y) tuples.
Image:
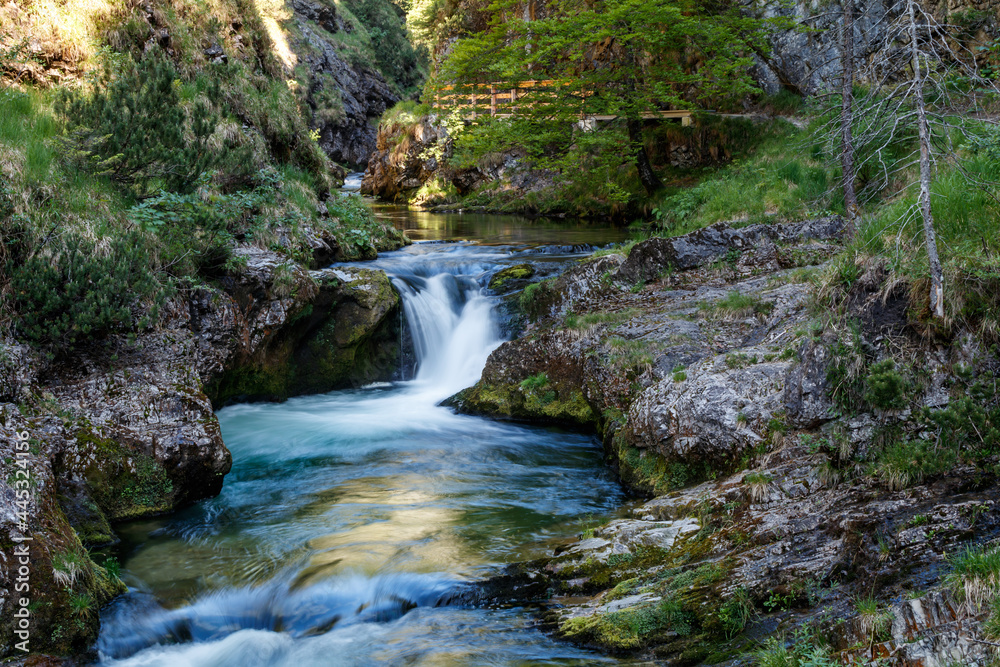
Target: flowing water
[(352, 522)]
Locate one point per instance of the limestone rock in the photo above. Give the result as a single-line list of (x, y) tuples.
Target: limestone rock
[(650, 259)]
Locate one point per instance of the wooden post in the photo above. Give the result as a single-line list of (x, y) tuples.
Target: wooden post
[(513, 101), (473, 101), (493, 100), (686, 121)]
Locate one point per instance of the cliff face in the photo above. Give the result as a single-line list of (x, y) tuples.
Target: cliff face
[(807, 61), (789, 482), (125, 429), (344, 98)]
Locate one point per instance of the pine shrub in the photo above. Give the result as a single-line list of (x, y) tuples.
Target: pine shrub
[(134, 128), (77, 292)]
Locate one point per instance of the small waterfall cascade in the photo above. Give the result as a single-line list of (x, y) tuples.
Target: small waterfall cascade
[(355, 524), (451, 320)]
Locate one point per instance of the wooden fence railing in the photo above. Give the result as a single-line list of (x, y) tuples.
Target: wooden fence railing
[(490, 99)]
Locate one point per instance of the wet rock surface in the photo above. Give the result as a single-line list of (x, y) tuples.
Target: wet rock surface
[(705, 366)]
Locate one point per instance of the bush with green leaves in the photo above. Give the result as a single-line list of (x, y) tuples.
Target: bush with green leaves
[(133, 127), (394, 53), (196, 229), (73, 292)]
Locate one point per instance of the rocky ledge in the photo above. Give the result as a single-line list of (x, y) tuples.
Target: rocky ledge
[(410, 163), (126, 428), (808, 491)]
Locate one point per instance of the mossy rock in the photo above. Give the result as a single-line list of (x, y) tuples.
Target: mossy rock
[(119, 483), (501, 278), (646, 472), (349, 336), (556, 403)]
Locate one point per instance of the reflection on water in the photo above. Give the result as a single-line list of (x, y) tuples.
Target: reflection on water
[(488, 228), (352, 522)]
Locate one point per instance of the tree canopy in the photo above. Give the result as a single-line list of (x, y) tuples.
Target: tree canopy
[(617, 58)]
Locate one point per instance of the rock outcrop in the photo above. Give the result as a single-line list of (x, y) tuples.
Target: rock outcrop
[(126, 428), (717, 385), (808, 61), (344, 98), (411, 163)]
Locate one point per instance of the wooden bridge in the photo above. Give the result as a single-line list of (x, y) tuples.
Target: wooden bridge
[(488, 99)]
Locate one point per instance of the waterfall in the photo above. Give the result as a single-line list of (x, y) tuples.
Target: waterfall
[(451, 320), (354, 523)]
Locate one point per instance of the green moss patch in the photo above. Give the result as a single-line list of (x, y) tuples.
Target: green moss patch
[(536, 398), (504, 276)]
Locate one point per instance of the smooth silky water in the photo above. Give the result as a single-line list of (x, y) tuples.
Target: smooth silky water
[(352, 522)]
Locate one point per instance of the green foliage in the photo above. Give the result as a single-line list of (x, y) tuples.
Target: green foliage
[(780, 180), (875, 622), (390, 46), (539, 381), (975, 575), (574, 321), (647, 69), (197, 229), (736, 612), (847, 370), (357, 229), (81, 605), (778, 652), (74, 291), (885, 387), (630, 353), (133, 128), (966, 431), (736, 306)]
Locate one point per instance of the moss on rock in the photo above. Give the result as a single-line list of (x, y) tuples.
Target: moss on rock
[(647, 472), (551, 402), (502, 277), (119, 483), (347, 336)]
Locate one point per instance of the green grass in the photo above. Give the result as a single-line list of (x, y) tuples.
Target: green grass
[(975, 576), (587, 320), (736, 306), (632, 353), (784, 179), (778, 652)]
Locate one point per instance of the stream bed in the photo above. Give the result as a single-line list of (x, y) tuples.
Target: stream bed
[(352, 521)]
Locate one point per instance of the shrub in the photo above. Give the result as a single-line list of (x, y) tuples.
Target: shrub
[(533, 382), (737, 306), (134, 128), (885, 388), (78, 292), (196, 229), (975, 576), (910, 462)]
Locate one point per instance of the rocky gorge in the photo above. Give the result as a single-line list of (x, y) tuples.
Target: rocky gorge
[(127, 428)]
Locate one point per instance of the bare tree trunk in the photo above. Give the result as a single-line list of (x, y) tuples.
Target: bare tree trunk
[(923, 133), (847, 117), (650, 181)]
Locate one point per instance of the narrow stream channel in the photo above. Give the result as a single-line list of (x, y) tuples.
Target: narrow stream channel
[(351, 521)]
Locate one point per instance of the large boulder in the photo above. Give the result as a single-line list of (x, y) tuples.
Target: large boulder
[(714, 415), (652, 258)]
